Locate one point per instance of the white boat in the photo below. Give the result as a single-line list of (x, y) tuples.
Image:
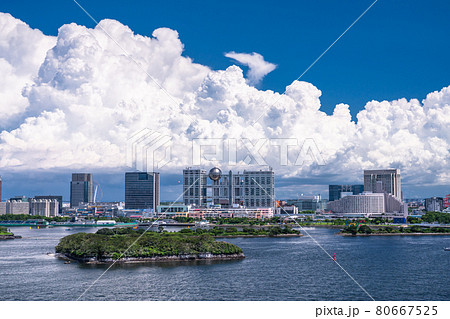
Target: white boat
[(447, 248)]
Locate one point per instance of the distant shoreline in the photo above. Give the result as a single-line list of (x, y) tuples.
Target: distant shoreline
[(258, 236), (394, 234)]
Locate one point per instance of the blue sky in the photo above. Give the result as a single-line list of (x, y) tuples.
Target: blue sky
[(398, 49)]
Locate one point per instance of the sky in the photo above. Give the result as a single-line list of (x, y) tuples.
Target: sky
[(72, 95)]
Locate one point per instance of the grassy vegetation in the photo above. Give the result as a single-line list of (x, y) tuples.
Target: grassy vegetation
[(391, 230), (246, 231), (5, 232), (111, 243)]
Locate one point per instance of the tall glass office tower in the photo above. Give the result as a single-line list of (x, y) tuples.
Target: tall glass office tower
[(81, 189), (141, 190)]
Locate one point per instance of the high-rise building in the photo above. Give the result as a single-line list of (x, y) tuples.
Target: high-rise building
[(434, 204), (53, 197), (249, 188), (386, 179), (81, 189), (17, 207), (44, 207), (194, 187), (141, 190), (335, 191), (0, 188)]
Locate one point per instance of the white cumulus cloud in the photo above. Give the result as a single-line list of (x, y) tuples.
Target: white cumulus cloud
[(258, 67), (77, 98)]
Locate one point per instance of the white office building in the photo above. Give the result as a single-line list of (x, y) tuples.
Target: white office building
[(17, 207), (44, 207)]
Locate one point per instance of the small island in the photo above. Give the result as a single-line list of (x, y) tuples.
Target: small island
[(415, 230), (7, 234), (233, 232), (111, 245)]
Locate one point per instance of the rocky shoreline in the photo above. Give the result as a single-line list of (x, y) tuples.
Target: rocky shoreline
[(157, 259), (6, 237)]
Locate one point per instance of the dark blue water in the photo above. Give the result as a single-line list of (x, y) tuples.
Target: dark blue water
[(389, 268)]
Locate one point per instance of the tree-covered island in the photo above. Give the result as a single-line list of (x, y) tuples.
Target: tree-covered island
[(131, 246), (364, 230)]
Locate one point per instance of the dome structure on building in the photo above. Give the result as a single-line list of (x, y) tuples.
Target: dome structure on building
[(215, 174)]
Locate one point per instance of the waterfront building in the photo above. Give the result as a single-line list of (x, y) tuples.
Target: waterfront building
[(142, 190), (17, 207), (250, 189), (44, 207), (238, 212), (53, 197), (81, 189), (434, 204), (386, 179), (369, 204), (170, 211), (365, 203), (313, 203), (338, 191), (2, 208), (102, 208), (194, 187)]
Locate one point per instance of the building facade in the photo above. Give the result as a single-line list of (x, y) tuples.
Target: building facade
[(335, 191), (142, 190), (195, 187), (312, 203), (370, 205), (58, 198), (17, 207), (388, 179), (250, 189), (44, 207), (434, 204), (81, 189), (366, 203)]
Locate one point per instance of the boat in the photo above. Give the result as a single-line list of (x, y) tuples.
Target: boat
[(447, 248), (67, 262)]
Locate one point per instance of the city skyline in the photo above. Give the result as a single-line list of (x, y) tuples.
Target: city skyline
[(112, 186)]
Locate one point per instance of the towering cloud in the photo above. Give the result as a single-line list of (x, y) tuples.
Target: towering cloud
[(73, 101)]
